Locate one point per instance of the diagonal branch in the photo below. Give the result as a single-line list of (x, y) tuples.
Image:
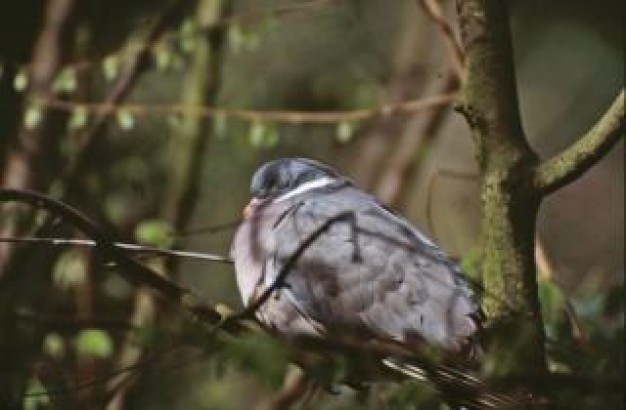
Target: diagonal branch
[(133, 271), (457, 58), (570, 164), (132, 247), (295, 256)]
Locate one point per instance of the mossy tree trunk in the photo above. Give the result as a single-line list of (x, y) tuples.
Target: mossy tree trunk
[(513, 182)]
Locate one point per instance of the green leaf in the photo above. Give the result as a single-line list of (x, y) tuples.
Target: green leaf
[(162, 56), (345, 131), (220, 125), (236, 38), (471, 263), (32, 117), (256, 134), (125, 119), (65, 81), (70, 269), (36, 395), (78, 118), (111, 67), (20, 82), (552, 304), (54, 345), (94, 343), (271, 137), (155, 232)]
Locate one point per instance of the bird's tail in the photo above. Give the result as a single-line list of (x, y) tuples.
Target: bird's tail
[(459, 387)]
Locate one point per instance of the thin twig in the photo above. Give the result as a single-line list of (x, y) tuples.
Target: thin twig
[(455, 51), (418, 135), (293, 259), (132, 271), (285, 116), (122, 245)]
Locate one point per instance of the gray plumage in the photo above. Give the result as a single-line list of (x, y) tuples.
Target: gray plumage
[(391, 284)]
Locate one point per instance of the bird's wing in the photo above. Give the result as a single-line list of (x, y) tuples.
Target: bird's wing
[(387, 280)]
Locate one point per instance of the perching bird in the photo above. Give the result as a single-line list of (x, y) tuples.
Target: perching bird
[(369, 277)]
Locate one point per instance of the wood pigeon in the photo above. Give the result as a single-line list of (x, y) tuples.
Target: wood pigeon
[(374, 277)]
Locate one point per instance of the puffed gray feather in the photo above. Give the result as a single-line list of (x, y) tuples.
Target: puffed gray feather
[(390, 284)]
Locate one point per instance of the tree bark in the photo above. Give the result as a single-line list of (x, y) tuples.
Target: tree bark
[(509, 200), (514, 181)]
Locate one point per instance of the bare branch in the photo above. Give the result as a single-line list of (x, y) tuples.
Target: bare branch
[(455, 51), (284, 116), (570, 164), (133, 271), (418, 136), (122, 245)]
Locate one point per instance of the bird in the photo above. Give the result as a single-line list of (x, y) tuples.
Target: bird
[(350, 268)]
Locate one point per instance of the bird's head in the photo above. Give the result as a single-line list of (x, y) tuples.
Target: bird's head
[(287, 177)]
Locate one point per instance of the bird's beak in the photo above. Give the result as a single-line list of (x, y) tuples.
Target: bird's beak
[(249, 209)]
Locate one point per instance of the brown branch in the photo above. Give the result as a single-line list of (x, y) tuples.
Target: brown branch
[(570, 164), (295, 387), (455, 51), (284, 116), (418, 135), (131, 247), (31, 150), (132, 271), (139, 65)]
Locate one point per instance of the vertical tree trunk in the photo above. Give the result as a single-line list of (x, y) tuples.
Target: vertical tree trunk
[(510, 201)]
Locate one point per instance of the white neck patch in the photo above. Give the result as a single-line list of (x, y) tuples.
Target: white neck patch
[(307, 186)]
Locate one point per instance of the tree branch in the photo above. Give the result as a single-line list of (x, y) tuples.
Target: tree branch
[(457, 58), (132, 247), (573, 162), (133, 271), (283, 116)]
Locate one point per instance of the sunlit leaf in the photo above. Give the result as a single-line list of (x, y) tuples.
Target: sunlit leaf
[(187, 36), (345, 131), (111, 67), (162, 56), (271, 137), (470, 264), (32, 117), (236, 38), (70, 269), (256, 133), (220, 125), (116, 287), (552, 301), (20, 82), (94, 343), (54, 345), (78, 119), (36, 395), (155, 232), (125, 120), (65, 81)]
